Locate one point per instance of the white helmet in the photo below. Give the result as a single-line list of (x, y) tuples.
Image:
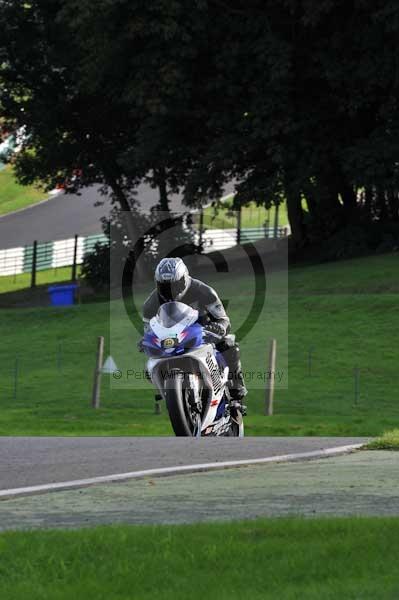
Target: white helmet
[(172, 279)]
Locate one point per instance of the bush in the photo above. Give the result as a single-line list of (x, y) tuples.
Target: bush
[(96, 267), (359, 240), (348, 242)]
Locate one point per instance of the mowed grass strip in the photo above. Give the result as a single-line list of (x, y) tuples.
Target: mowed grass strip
[(21, 281), (47, 359), (388, 441), (376, 274), (286, 559), (225, 217), (14, 196)]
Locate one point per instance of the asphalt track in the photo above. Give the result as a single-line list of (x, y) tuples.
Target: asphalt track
[(65, 215), (29, 461), (62, 216), (363, 483)]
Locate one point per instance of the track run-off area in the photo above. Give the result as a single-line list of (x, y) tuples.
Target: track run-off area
[(36, 461), (267, 477)]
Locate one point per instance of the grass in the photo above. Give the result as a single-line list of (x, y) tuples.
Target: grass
[(14, 196), (388, 441), (251, 216), (341, 316), (21, 281), (264, 559), (375, 274)]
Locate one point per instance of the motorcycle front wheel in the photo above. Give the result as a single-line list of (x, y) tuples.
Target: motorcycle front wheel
[(183, 417), (235, 429)]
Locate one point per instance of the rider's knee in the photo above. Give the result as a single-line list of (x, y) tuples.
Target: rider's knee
[(231, 354)]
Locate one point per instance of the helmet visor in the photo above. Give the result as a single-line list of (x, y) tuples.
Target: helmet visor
[(171, 290)]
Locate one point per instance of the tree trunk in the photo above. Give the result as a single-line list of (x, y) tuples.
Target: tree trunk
[(131, 226), (295, 217), (330, 208), (393, 205), (311, 201), (381, 201), (348, 196), (349, 199), (330, 204), (368, 202), (163, 192)]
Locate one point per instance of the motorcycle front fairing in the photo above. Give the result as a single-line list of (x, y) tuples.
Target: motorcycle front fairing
[(172, 330)]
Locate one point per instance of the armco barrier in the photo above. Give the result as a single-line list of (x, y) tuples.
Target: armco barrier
[(49, 255), (70, 252)]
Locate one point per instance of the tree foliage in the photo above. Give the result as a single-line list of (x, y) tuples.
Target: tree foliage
[(162, 234), (292, 98)]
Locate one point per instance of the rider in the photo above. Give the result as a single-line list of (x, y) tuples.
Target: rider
[(173, 282)]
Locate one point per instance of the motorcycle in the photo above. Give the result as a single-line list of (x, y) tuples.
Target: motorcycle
[(190, 374)]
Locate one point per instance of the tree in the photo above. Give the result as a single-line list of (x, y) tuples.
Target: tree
[(138, 56), (293, 99), (316, 116)]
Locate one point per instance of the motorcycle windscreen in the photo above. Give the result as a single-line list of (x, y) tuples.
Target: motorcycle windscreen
[(174, 313)]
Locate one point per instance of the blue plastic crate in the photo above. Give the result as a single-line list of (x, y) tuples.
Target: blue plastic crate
[(62, 295)]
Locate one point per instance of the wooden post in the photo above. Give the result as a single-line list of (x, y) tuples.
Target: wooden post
[(238, 235), (357, 384), (34, 265), (201, 229), (59, 356), (75, 257), (16, 372), (276, 222), (272, 373), (310, 356), (97, 373)]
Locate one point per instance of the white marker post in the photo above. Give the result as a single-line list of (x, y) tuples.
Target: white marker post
[(109, 366), (97, 373), (272, 372)]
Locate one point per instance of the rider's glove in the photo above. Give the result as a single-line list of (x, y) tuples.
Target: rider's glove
[(216, 328), (140, 346)]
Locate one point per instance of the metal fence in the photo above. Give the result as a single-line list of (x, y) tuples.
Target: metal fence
[(221, 239), (41, 256), (59, 377)]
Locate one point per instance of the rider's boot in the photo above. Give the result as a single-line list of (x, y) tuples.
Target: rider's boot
[(237, 391), (236, 399), (236, 384)]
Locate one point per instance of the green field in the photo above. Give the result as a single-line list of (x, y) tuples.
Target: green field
[(251, 216), (388, 441), (343, 315), (21, 281), (14, 196), (287, 559)]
